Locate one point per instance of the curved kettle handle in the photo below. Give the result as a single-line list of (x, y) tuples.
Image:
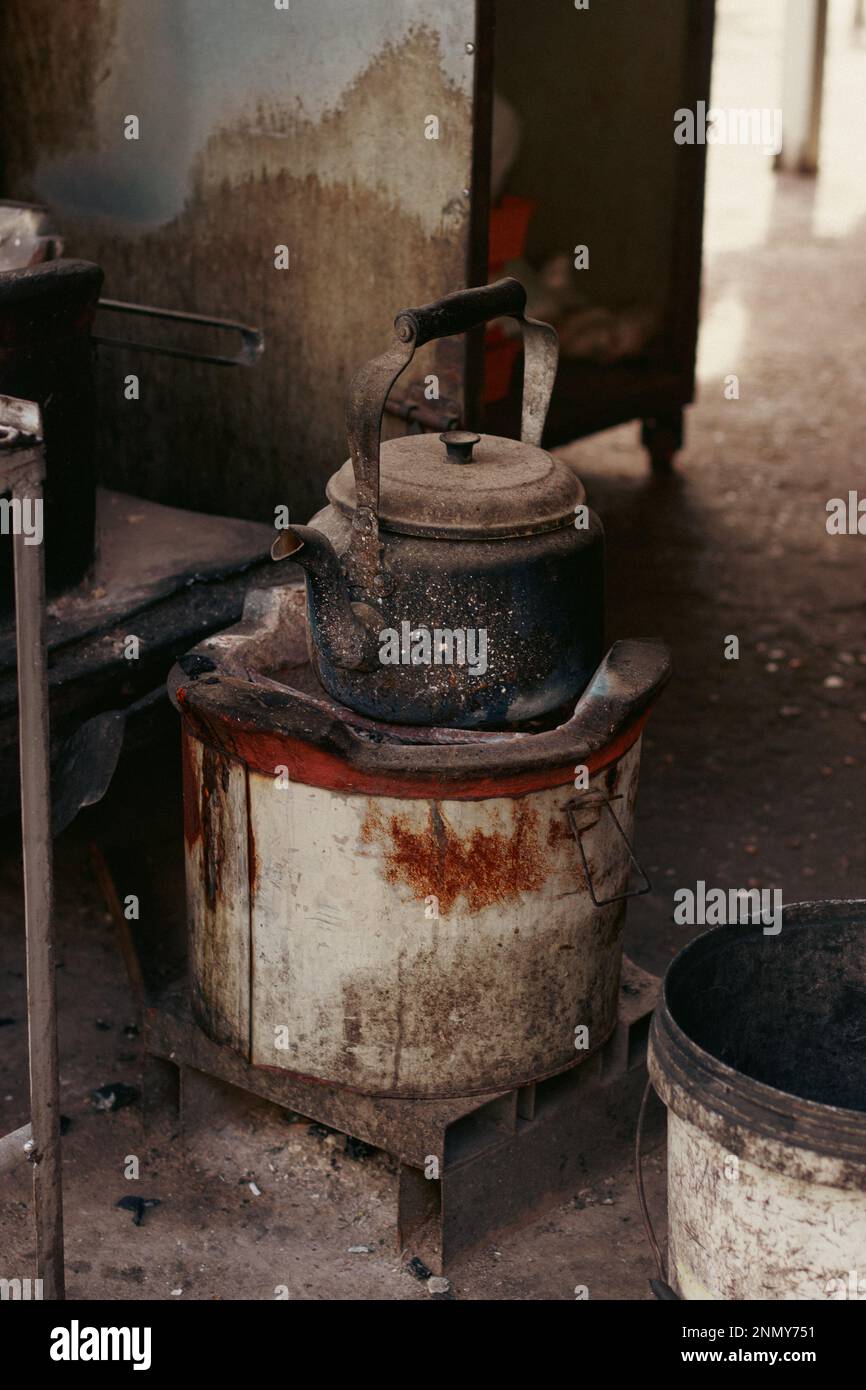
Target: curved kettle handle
[(460, 311), (371, 384)]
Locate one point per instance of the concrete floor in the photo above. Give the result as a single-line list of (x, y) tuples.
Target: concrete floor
[(753, 771)]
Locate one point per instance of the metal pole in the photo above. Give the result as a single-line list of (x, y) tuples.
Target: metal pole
[(36, 836), (804, 45)]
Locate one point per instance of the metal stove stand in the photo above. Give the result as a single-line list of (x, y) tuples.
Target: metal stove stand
[(467, 1166)]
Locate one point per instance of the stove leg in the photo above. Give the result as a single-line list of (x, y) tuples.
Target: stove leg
[(662, 436), (419, 1216)]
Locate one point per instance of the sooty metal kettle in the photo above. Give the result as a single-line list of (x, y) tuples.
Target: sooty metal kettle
[(453, 579)]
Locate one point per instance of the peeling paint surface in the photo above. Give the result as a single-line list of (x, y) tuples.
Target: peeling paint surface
[(377, 986), (766, 1235), (258, 128), (217, 877), (252, 73), (494, 861)]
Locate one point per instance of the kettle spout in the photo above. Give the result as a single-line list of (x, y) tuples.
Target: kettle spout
[(347, 632)]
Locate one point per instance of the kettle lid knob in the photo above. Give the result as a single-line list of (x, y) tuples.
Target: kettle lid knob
[(459, 445)]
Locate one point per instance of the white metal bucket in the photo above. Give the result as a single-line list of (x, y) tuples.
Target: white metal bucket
[(757, 1050)]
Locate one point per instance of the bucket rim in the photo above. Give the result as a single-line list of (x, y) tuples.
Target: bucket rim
[(807, 1139)]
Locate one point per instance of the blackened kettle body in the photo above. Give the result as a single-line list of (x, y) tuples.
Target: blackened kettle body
[(453, 579)]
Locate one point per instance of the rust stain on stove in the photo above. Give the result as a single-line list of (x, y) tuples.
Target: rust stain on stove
[(484, 866), (252, 857), (191, 805), (559, 832), (214, 789)]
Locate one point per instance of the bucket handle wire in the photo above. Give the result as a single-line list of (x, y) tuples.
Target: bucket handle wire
[(660, 1286)]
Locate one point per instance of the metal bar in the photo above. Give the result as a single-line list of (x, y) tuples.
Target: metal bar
[(443, 414), (36, 836), (252, 339), (12, 1151), (805, 42), (478, 239), (686, 241)]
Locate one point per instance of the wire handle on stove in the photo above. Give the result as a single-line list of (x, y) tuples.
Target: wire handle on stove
[(578, 804)]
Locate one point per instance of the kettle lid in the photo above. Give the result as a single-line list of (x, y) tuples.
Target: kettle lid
[(466, 486)]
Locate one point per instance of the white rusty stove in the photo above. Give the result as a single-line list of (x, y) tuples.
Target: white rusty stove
[(402, 912)]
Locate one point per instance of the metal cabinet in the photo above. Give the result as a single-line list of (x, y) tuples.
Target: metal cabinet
[(617, 205)]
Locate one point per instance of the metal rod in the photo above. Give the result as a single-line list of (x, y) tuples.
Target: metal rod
[(38, 893), (12, 1148), (660, 1286), (804, 45), (252, 339)]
